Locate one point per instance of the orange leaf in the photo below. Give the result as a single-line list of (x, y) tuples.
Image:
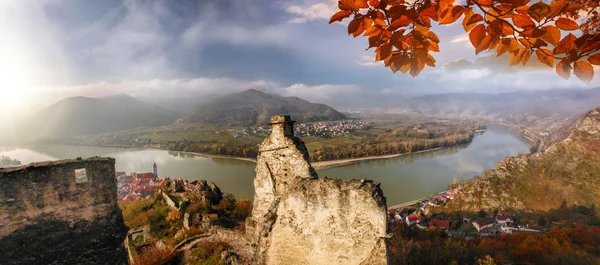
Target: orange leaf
[(400, 22), (594, 59), (451, 15), (502, 47), (339, 16), (539, 10), (552, 35), (416, 65), (515, 57), (373, 41), (566, 24), (373, 31), (354, 25), (557, 8), (507, 30), (485, 2), (513, 46), (525, 43), (525, 57), (383, 52), (430, 35), (522, 21), (566, 45), (374, 3), (563, 69), (483, 45), (434, 47), (545, 56), (477, 34), (584, 71)]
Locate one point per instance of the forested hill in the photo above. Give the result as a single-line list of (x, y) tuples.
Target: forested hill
[(84, 116), (567, 173), (253, 107)]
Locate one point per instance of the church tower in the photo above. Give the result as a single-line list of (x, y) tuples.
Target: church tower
[(155, 170)]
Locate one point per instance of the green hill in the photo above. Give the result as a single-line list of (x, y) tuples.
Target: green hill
[(83, 116), (253, 107)]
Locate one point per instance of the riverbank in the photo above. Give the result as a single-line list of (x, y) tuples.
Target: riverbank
[(321, 165)]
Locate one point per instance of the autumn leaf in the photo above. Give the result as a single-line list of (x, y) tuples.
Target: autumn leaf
[(515, 57), (400, 22), (522, 21), (353, 26), (477, 35), (552, 35), (416, 66), (545, 56), (353, 5), (538, 11), (339, 16), (566, 45), (451, 15), (594, 59), (383, 52), (566, 24), (374, 3), (502, 47), (584, 71), (557, 7), (525, 57), (563, 69)]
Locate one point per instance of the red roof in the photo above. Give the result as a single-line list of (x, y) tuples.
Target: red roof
[(415, 217), (505, 218), (440, 223), (144, 176)]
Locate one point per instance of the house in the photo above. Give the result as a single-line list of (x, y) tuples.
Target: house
[(502, 219), (440, 224), (482, 224), (414, 219)]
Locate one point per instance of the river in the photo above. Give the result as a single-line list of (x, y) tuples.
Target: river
[(402, 178)]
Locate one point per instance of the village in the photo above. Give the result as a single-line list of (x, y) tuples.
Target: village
[(327, 129), (422, 216)]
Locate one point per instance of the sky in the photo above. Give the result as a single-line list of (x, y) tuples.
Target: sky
[(52, 49)]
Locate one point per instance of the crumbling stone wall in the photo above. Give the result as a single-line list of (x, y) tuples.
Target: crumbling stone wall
[(300, 219), (48, 218)]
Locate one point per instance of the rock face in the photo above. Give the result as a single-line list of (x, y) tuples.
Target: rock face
[(300, 219), (49, 217)]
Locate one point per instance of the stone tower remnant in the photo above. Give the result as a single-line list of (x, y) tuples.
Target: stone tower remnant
[(61, 212), (300, 219)]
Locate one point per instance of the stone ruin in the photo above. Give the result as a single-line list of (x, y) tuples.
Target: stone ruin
[(301, 219), (61, 212)]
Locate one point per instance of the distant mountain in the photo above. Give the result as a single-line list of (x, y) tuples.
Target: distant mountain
[(253, 107), (539, 103), (83, 116)]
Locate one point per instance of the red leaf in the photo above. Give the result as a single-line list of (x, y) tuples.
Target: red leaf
[(566, 24), (594, 59), (584, 71), (339, 16), (563, 69)]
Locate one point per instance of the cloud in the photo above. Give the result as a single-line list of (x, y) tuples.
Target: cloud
[(368, 61), (312, 11), (498, 64), (462, 38)]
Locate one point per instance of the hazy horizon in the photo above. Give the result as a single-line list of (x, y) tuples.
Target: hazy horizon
[(55, 49)]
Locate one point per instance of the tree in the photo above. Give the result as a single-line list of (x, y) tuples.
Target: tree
[(400, 31)]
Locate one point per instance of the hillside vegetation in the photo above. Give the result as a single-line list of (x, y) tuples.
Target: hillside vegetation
[(253, 107), (84, 116), (567, 173)]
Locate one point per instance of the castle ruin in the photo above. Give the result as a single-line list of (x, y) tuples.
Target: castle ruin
[(61, 212), (301, 219)]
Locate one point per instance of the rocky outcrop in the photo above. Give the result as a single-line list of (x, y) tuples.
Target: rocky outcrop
[(49, 216), (300, 219), (568, 171)]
